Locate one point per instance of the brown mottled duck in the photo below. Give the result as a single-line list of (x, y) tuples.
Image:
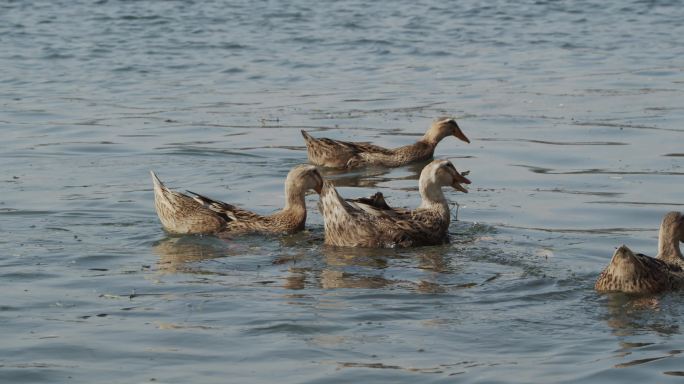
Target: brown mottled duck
[(196, 214), (637, 273), (371, 223), (346, 154)]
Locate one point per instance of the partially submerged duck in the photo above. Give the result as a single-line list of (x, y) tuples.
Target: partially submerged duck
[(345, 154), (370, 222), (196, 214), (637, 273)]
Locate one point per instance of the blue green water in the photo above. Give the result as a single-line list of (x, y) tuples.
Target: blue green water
[(575, 112)]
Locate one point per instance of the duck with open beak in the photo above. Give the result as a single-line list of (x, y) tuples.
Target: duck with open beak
[(371, 223)]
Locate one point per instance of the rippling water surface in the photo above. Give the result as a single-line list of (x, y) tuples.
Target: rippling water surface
[(575, 111)]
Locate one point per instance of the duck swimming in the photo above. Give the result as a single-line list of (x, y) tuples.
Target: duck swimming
[(370, 222), (345, 154), (637, 273), (197, 214)]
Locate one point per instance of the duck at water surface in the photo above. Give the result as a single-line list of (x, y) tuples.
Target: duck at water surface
[(370, 222), (345, 154), (183, 214), (637, 273)]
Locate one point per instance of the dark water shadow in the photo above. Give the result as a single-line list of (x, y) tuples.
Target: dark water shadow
[(199, 151), (575, 192), (594, 171), (560, 143)]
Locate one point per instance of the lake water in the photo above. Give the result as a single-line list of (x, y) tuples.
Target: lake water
[(576, 115)]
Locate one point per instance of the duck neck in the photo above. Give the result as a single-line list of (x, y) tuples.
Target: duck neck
[(433, 198), (294, 199), (433, 137), (668, 246)]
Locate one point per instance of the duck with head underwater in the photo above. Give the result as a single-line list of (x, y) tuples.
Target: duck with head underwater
[(636, 273)]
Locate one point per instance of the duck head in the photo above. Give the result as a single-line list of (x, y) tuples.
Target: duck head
[(672, 226), (670, 235), (306, 177), (442, 128), (442, 173)]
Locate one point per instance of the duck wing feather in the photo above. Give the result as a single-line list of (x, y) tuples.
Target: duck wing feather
[(228, 211)]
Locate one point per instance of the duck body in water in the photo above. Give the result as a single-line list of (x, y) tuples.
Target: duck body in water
[(636, 273), (181, 213), (346, 154), (371, 223)]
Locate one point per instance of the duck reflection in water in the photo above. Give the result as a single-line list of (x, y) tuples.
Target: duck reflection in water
[(338, 260), (370, 177), (176, 254), (363, 268), (630, 315), (640, 321), (432, 259), (306, 269)]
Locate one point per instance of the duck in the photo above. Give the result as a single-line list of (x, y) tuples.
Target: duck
[(193, 213), (345, 154), (636, 273), (372, 223)]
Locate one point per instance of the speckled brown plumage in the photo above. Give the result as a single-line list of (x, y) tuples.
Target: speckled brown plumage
[(637, 273), (376, 201), (197, 214), (640, 274), (372, 223), (345, 154)]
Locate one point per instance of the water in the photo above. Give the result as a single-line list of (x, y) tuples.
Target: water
[(575, 115)]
